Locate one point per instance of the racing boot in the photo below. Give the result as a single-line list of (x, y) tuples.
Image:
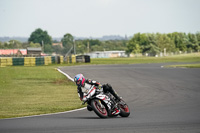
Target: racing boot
[(116, 111), (111, 90)]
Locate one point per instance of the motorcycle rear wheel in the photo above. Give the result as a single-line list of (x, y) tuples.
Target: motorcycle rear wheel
[(99, 108)]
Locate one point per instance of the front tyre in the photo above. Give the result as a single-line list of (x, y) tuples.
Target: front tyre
[(124, 109), (89, 108), (99, 108)]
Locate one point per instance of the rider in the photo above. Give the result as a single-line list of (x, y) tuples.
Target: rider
[(85, 89)]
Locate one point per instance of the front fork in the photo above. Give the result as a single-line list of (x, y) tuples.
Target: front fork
[(102, 106)]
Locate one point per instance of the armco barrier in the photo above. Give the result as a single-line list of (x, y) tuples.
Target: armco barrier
[(30, 61)]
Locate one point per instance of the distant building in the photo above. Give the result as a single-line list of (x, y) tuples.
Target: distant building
[(34, 51), (59, 44), (107, 54), (13, 52)]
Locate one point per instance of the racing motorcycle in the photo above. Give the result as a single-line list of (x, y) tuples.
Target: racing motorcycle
[(103, 104)]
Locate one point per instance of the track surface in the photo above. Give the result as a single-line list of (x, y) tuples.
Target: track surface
[(160, 100)]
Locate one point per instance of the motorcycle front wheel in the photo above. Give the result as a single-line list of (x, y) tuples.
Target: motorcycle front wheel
[(99, 108)]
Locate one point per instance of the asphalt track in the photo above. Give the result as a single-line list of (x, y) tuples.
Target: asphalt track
[(160, 99)]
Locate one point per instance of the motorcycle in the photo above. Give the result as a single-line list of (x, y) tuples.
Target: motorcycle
[(103, 104)]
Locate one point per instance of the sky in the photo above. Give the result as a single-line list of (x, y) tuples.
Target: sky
[(96, 18)]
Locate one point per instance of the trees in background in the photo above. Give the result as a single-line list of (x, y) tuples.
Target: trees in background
[(41, 37), (89, 45), (67, 42), (15, 44), (152, 43), (156, 43), (34, 45), (12, 44)]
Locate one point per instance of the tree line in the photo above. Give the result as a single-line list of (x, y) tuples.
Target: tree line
[(152, 43), (40, 38), (155, 43)]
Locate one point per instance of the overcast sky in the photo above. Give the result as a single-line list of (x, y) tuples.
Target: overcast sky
[(95, 18)]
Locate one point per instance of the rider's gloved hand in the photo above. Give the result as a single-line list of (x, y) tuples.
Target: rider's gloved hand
[(83, 102)]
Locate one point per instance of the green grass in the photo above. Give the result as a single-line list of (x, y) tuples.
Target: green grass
[(26, 91), (139, 60), (186, 66)]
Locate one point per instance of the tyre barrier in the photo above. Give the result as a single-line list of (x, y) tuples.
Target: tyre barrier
[(78, 59), (30, 61), (6, 61), (47, 60), (71, 59)]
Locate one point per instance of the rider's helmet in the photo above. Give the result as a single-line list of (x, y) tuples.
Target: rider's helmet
[(79, 79)]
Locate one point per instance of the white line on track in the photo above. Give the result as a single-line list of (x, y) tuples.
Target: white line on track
[(66, 75), (45, 114), (51, 113)]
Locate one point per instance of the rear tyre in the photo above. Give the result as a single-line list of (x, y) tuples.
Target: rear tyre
[(124, 109), (99, 108)]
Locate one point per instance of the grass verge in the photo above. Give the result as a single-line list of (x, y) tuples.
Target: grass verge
[(26, 91), (140, 60)]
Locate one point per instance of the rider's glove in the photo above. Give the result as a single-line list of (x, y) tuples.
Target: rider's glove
[(83, 102)]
